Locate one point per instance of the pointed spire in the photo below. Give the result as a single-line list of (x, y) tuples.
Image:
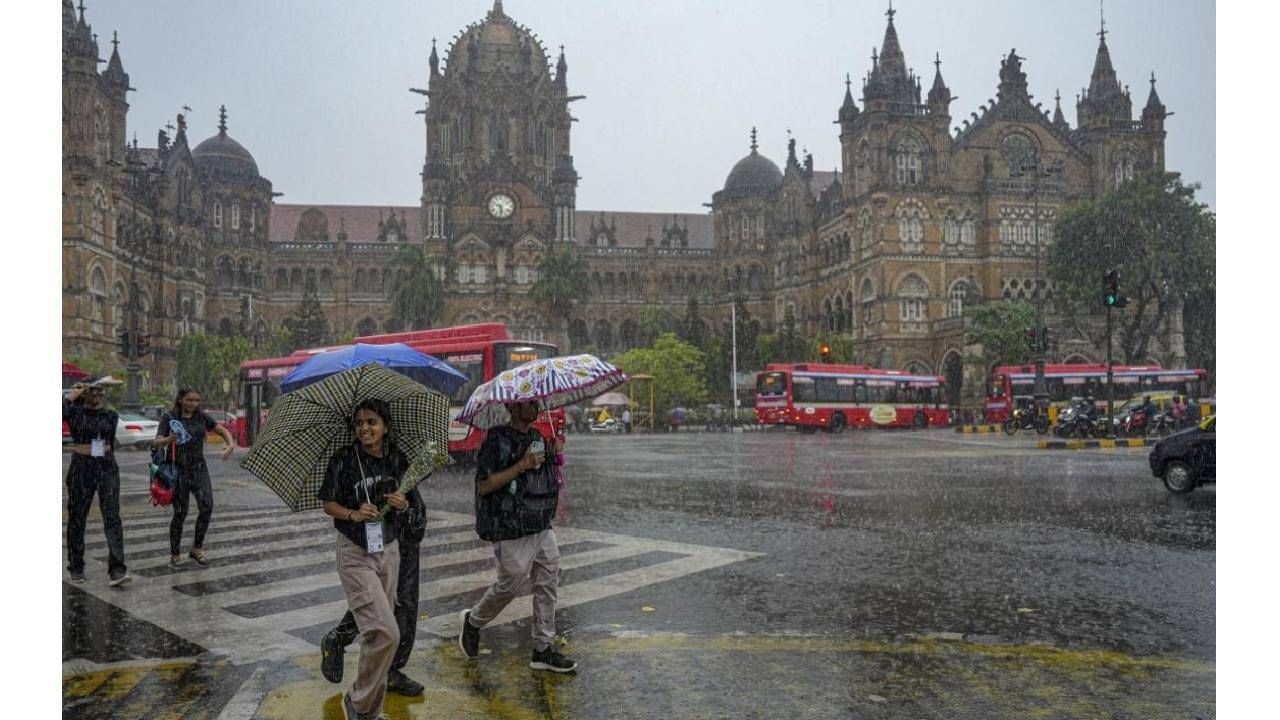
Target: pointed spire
[(1059, 121), (497, 9), (222, 120), (562, 67), (115, 73), (82, 22), (848, 110), (939, 94), (1154, 113), (435, 59)]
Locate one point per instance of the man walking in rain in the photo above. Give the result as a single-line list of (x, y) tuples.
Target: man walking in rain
[(516, 498), (93, 469)]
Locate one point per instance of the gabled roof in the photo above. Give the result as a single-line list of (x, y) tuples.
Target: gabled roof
[(634, 227), (360, 221)]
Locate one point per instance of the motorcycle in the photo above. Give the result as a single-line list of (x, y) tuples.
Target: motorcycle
[(1026, 419), (1132, 425), (608, 426), (1078, 421), (1162, 424)]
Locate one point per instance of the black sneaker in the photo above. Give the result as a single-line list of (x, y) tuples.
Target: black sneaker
[(120, 577), (331, 653), (551, 660), (469, 637), (401, 684), (77, 576)]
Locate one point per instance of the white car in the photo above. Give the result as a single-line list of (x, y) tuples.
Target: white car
[(135, 431)]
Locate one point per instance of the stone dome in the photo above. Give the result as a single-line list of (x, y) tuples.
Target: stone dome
[(499, 42), (754, 173), (223, 154)]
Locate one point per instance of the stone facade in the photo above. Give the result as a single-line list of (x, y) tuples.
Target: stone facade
[(921, 218)]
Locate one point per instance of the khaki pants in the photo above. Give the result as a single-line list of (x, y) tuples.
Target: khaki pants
[(369, 580), (532, 559)]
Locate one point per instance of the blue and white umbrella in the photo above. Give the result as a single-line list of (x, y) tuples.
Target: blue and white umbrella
[(435, 374)]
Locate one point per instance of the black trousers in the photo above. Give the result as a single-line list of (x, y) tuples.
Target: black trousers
[(191, 481), (89, 475), (406, 608)]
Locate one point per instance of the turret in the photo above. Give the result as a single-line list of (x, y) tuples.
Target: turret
[(939, 95), (434, 60), (1059, 121), (889, 83), (1105, 101), (848, 109), (562, 68), (1154, 113), (115, 76)]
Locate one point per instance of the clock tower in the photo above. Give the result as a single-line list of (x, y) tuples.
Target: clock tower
[(498, 176)]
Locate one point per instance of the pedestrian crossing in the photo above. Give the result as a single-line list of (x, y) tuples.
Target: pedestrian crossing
[(271, 589)]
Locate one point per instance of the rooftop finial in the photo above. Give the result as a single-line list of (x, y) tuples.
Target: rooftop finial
[(82, 12), (753, 139), (937, 61), (222, 120), (1153, 79), (115, 41), (1102, 16), (847, 82), (891, 12)]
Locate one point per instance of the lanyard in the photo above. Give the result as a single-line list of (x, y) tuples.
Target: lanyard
[(364, 482)]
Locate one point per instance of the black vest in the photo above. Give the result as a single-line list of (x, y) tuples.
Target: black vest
[(501, 515)]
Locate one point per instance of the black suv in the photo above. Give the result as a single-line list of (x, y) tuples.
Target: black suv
[(1187, 459)]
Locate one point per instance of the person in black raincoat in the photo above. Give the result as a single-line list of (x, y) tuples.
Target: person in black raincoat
[(333, 645), (93, 470), (185, 425)]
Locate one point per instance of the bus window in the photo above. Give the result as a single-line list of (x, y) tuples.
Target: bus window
[(771, 384), (845, 390), (997, 386), (802, 389), (826, 389), (470, 364), (860, 391)]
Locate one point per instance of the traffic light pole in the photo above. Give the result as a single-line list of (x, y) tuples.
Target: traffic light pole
[(133, 368), (1110, 379)]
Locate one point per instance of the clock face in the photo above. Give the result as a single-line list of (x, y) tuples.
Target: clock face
[(501, 206)]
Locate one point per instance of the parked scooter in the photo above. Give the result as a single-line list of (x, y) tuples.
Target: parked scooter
[(1026, 419)]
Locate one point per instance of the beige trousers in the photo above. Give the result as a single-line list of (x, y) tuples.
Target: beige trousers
[(369, 580), (529, 562)]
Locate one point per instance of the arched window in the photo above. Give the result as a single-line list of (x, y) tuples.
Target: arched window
[(235, 216), (326, 281), (913, 296), (98, 292), (908, 162), (358, 282), (956, 297), (217, 214), (911, 216), (282, 279)]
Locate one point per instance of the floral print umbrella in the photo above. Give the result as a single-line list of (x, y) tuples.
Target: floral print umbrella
[(555, 382)]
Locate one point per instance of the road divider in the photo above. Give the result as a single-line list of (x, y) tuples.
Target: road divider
[(978, 428), (1094, 444)]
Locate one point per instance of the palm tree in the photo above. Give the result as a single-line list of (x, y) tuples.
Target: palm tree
[(418, 298), (562, 283)]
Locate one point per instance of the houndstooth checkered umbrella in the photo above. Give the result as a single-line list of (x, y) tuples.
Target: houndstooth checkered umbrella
[(306, 428)]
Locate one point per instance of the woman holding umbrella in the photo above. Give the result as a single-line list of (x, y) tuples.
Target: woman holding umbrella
[(360, 477)]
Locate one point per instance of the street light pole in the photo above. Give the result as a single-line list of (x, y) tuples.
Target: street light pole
[(1038, 171)]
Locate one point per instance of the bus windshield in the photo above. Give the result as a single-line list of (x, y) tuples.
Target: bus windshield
[(772, 384)]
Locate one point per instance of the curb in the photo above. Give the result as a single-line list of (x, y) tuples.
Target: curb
[(978, 428), (1094, 444)]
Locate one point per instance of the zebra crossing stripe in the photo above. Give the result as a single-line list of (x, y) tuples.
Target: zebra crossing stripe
[(242, 611)]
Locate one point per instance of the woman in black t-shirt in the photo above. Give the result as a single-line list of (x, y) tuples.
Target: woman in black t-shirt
[(359, 477), (184, 428)]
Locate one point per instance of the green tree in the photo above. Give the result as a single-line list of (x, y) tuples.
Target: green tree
[(653, 323), (692, 328), (678, 371), (784, 346), (1161, 240), (748, 331), (418, 298), (999, 327), (307, 325), (719, 365), (562, 285), (205, 362)]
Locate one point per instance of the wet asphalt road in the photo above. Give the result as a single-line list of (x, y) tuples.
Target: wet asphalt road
[(879, 574)]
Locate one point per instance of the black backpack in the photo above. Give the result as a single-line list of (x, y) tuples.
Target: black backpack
[(501, 515)]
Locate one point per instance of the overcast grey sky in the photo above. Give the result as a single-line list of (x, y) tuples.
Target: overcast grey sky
[(317, 90)]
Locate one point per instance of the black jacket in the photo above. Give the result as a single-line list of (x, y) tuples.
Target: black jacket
[(502, 515)]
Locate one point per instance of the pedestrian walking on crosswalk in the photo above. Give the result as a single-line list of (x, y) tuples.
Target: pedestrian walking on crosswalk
[(93, 470), (368, 555), (412, 529), (516, 498), (185, 426)]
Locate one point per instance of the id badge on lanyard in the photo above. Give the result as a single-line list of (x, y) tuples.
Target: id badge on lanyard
[(372, 530), (98, 448)]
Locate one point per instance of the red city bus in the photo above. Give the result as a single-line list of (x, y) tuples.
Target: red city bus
[(809, 396), (1013, 386), (480, 351)]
